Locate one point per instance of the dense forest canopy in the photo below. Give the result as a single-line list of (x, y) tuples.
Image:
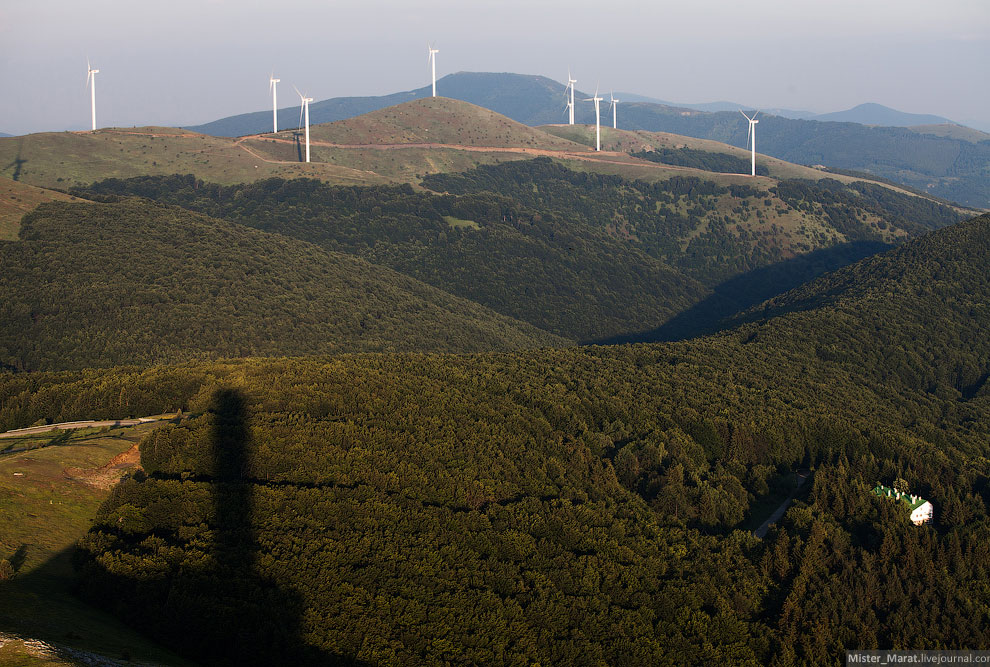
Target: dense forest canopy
[(561, 276), (139, 282), (575, 506), (584, 256)]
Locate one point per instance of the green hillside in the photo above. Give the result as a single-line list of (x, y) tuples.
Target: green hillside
[(68, 159), (710, 231), (535, 265), (932, 288), (952, 131), (583, 255), (137, 282), (567, 505), (16, 199)]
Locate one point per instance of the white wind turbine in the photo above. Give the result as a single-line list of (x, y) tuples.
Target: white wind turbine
[(432, 60), (570, 105), (613, 103), (91, 82), (304, 110), (751, 137), (271, 86), (598, 119)]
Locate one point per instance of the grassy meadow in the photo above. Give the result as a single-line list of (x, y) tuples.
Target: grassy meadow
[(48, 498)]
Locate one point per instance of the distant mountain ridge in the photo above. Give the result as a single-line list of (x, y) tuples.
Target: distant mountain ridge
[(877, 114), (869, 113), (522, 97)]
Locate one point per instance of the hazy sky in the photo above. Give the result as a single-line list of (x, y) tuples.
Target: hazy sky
[(186, 62)]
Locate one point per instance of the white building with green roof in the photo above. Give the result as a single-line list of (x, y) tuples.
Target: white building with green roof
[(921, 510)]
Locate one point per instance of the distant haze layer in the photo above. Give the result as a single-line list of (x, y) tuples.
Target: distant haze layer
[(186, 63)]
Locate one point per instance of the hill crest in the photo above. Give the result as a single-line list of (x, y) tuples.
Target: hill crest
[(438, 120)]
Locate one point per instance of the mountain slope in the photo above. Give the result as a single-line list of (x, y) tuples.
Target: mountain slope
[(943, 166), (538, 266), (711, 232), (432, 135), (562, 505), (930, 291), (953, 131), (16, 199), (583, 255), (67, 159), (439, 120), (136, 282)]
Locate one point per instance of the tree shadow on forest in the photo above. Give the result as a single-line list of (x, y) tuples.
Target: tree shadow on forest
[(223, 613), (737, 294)]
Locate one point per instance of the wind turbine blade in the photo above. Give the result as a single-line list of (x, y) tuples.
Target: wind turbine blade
[(754, 115), (744, 115), (749, 135)]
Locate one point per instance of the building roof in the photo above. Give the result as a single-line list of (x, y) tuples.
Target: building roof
[(914, 502)]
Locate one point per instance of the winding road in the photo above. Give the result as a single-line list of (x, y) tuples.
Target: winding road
[(68, 426)]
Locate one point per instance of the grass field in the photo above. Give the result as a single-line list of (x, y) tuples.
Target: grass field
[(48, 498), (952, 132), (67, 159), (18, 198)]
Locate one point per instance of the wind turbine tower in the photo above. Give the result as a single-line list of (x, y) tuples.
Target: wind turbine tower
[(91, 82), (432, 60), (614, 102), (271, 86), (751, 137), (304, 111), (598, 119), (570, 105)]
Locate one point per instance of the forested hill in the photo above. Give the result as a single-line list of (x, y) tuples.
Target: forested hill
[(583, 255), (539, 265), (139, 282), (711, 231), (929, 296), (563, 505)]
